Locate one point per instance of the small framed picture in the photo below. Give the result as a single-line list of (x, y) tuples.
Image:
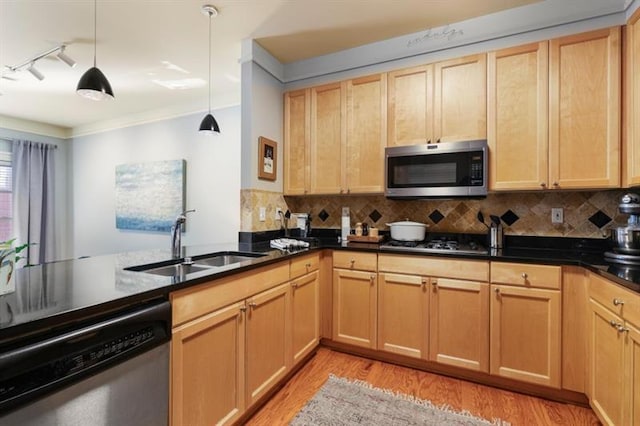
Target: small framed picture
[(267, 159)]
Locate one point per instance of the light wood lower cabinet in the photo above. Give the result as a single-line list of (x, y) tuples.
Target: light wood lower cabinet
[(403, 314), (355, 307), (525, 334), (305, 319), (207, 368), (268, 339), (459, 323), (632, 374)]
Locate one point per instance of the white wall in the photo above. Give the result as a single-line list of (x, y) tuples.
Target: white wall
[(62, 200), (212, 181)]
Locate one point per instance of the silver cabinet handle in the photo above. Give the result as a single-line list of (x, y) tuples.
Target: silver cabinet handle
[(524, 275), (622, 329), (613, 323), (618, 302)]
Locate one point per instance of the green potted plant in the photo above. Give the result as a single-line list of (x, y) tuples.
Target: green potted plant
[(8, 259)]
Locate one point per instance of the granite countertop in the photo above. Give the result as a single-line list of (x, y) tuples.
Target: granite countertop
[(58, 293)]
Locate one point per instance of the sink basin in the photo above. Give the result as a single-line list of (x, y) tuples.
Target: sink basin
[(176, 267), (225, 258)]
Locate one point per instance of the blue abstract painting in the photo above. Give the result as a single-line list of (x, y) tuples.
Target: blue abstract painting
[(149, 196)]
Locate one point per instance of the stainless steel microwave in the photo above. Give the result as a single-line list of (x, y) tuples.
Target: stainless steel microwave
[(442, 170)]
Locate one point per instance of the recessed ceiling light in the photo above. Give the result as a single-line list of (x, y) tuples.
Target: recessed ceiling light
[(182, 84)]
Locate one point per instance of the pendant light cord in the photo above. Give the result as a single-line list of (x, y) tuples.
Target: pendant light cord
[(210, 14), (95, 29)]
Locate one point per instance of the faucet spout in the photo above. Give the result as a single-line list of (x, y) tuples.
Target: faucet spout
[(176, 233)]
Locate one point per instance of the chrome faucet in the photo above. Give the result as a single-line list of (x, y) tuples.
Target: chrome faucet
[(176, 233)]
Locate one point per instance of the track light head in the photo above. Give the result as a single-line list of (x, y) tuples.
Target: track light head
[(34, 72), (65, 58)]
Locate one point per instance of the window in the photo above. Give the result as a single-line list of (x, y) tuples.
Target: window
[(6, 196)]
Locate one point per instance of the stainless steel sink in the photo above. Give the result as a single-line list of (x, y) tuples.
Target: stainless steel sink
[(225, 258), (177, 267)]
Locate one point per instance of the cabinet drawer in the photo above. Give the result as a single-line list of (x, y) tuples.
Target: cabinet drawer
[(355, 260), (526, 274), (620, 301), (476, 270), (303, 265), (199, 300)]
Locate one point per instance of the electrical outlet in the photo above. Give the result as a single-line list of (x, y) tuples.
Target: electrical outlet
[(557, 215), (263, 214), (278, 211)]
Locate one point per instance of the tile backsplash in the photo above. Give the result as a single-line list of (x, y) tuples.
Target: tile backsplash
[(586, 214)]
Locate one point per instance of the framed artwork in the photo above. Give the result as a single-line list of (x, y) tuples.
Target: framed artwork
[(149, 196), (267, 159)]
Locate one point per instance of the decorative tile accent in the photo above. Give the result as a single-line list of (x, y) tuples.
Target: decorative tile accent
[(509, 217), (375, 215), (436, 216), (599, 219), (323, 215)]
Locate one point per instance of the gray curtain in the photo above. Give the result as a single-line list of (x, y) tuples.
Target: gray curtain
[(33, 211)]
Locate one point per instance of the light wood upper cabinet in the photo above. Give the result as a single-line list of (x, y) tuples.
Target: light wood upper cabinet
[(297, 130), (410, 106), (460, 97), (403, 314), (631, 167), (584, 110), (459, 323), (305, 315), (517, 117), (207, 369), (328, 134), (363, 163), (268, 340)]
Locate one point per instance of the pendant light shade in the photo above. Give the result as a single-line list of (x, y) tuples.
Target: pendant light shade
[(94, 84), (209, 125)]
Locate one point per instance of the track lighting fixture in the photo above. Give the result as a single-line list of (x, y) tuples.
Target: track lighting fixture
[(30, 63), (93, 84), (34, 72), (65, 58), (209, 124)]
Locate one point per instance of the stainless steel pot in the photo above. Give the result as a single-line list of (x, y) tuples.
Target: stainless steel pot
[(626, 240), (407, 230)]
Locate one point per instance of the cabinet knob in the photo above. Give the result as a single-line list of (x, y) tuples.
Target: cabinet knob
[(556, 184), (308, 265), (305, 191), (543, 185), (243, 308), (252, 305), (613, 323), (622, 329), (438, 141), (348, 190), (341, 191), (294, 285), (618, 302), (428, 141), (524, 275), (352, 261), (497, 290), (434, 283), (372, 278)]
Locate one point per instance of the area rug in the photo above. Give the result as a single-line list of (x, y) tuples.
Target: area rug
[(344, 402)]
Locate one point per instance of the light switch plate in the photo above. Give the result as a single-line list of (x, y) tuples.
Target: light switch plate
[(263, 214), (557, 215)]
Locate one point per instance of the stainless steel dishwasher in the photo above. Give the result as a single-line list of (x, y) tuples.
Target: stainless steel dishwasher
[(112, 371)]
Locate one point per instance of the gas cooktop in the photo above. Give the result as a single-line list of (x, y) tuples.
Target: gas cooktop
[(450, 244)]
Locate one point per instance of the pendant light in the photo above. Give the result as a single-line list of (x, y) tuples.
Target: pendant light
[(209, 124), (93, 84)]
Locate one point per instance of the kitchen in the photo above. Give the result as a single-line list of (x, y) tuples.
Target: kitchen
[(93, 218)]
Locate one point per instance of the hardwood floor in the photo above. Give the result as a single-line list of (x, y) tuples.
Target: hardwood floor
[(482, 401)]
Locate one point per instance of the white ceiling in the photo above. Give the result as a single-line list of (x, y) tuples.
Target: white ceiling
[(142, 40)]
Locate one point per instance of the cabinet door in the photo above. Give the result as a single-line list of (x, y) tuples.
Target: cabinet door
[(268, 337), (305, 318), (410, 106), (632, 375), (584, 110), (606, 367), (632, 102), (354, 307), (366, 134), (328, 132), (403, 314), (460, 111), (517, 131), (525, 334), (297, 128), (207, 369), (459, 323)]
